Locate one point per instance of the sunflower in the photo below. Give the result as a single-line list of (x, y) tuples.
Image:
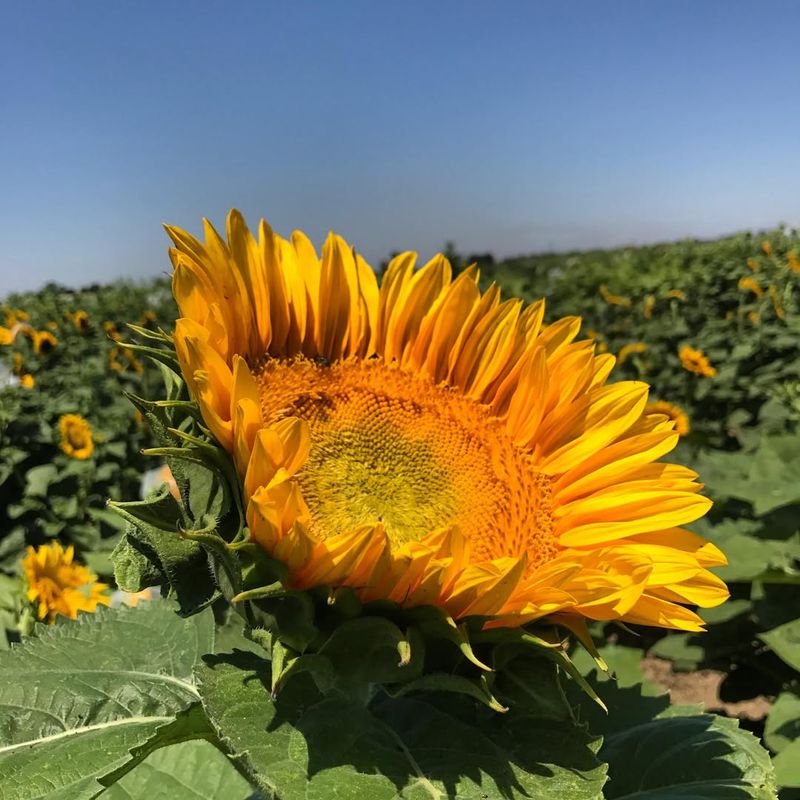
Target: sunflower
[(748, 284), (613, 299), (696, 361), (777, 305), (649, 305), (676, 294), (76, 436), (752, 265), (117, 353), (428, 444), (80, 319), (793, 261), (677, 415), (766, 248), (148, 319), (27, 381), (44, 342), (111, 329), (7, 336), (629, 350), (56, 585)]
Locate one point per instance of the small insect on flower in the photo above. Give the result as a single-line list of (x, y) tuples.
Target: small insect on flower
[(57, 585), (748, 284), (426, 443), (76, 436), (44, 343), (673, 412), (696, 361)]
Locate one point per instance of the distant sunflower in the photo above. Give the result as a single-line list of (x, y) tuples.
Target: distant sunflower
[(696, 361), (80, 319), (629, 350), (777, 305), (676, 294), (148, 319), (425, 443), (748, 284), (673, 412), (44, 342), (76, 436), (57, 585), (613, 299), (649, 305), (27, 381)]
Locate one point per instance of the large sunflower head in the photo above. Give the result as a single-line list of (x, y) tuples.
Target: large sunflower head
[(424, 442), (76, 436), (57, 585)]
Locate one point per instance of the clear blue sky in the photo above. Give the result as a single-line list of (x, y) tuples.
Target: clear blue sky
[(504, 126)]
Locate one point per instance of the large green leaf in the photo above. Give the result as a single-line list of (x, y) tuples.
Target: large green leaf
[(77, 699), (304, 745), (193, 770), (702, 757)]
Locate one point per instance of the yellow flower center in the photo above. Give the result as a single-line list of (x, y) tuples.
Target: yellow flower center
[(390, 447)]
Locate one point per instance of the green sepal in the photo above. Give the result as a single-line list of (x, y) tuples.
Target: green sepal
[(159, 335), (153, 533), (433, 622), (455, 684)]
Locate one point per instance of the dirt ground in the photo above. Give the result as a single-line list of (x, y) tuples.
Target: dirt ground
[(702, 687)]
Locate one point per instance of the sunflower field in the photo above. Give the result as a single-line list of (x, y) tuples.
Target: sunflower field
[(288, 529)]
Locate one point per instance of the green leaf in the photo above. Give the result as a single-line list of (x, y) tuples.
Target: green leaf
[(787, 765), (305, 745), (680, 649), (785, 641), (193, 770), (38, 479), (75, 700), (701, 757), (783, 723), (152, 547)]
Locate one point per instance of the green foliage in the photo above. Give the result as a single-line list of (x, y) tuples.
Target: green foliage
[(45, 493), (193, 770), (78, 698), (132, 703)]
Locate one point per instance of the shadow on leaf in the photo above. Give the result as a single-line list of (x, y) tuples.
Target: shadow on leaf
[(422, 746)]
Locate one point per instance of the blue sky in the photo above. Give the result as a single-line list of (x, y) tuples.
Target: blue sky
[(504, 126)]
